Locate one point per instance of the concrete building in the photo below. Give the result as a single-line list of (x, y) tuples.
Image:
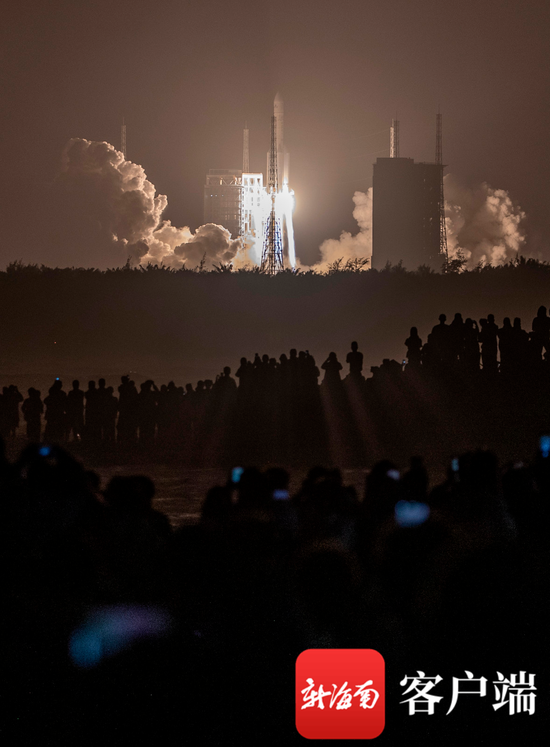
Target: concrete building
[(406, 213), (223, 199), (253, 204)]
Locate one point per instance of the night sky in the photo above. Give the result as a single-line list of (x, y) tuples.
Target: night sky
[(186, 76)]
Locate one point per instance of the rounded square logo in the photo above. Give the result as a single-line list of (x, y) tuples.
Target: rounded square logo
[(340, 693)]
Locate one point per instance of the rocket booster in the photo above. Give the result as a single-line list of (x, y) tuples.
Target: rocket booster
[(282, 155)]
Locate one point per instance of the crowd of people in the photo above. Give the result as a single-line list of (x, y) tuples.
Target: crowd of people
[(275, 409), (121, 629), (118, 629), (507, 349)]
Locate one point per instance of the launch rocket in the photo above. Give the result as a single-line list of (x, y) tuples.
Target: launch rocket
[(282, 155), (279, 234)]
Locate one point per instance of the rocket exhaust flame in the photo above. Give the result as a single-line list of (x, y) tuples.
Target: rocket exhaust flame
[(286, 204)]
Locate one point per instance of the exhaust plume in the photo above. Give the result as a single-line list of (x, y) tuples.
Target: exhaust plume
[(111, 200), (350, 246), (483, 224)]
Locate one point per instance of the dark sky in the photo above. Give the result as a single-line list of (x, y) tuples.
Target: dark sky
[(187, 75)]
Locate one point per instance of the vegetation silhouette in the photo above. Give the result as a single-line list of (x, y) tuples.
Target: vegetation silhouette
[(159, 320)]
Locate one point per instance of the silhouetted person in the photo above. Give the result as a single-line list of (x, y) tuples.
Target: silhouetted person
[(102, 399), (284, 375), (506, 345), (489, 346), (110, 415), (55, 415), (147, 406), (225, 383), (168, 411), (308, 373), (441, 342), (471, 346), (140, 533), (32, 409), (245, 374), (415, 481), (332, 368), (427, 354), (92, 414), (293, 366), (540, 336), (128, 411), (188, 414), (75, 412), (413, 343), (456, 337), (521, 345), (355, 361), (4, 417)]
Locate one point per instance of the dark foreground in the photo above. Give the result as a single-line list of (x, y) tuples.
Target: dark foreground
[(118, 629)]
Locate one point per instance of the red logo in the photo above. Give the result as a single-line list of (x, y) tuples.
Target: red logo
[(340, 693)]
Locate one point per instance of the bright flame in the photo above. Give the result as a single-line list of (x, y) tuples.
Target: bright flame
[(257, 204), (284, 207)]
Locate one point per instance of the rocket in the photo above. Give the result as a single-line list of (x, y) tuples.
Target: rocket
[(282, 155), (279, 234)]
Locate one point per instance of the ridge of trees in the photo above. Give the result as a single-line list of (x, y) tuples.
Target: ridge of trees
[(457, 265)]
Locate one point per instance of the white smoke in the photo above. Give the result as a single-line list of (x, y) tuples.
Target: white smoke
[(128, 212), (250, 253), (111, 205), (349, 246), (483, 224)]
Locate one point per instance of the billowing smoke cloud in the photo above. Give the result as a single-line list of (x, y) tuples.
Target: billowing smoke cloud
[(483, 224), (350, 246), (110, 212), (112, 200)]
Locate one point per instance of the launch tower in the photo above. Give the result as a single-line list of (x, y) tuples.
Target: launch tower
[(258, 212), (272, 252), (439, 160), (408, 211)]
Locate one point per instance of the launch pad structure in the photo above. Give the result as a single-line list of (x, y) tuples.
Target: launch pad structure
[(223, 199), (272, 250), (443, 249), (257, 212), (408, 209)]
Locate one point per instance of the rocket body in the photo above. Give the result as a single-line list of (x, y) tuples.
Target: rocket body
[(282, 156), (278, 242)]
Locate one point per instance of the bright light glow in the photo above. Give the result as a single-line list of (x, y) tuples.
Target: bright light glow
[(107, 631), (256, 208), (285, 207), (411, 513)]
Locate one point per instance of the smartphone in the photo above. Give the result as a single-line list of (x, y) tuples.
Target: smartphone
[(544, 445), (411, 513), (236, 474), (280, 495)]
